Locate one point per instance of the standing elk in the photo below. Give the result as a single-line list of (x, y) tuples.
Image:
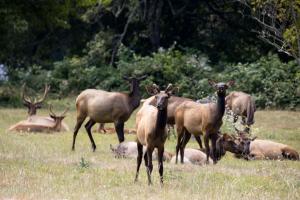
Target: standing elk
[(151, 130), (105, 107), (255, 149), (197, 119), (243, 105), (33, 104), (42, 124), (173, 103)]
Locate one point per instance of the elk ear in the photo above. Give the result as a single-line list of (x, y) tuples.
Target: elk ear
[(52, 116), (152, 89), (212, 83), (230, 83), (254, 138), (126, 78), (170, 89), (142, 78)]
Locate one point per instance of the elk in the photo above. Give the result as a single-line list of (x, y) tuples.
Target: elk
[(151, 129), (105, 107), (129, 150), (173, 103), (42, 124), (197, 119), (255, 149), (33, 104), (193, 156), (243, 105)]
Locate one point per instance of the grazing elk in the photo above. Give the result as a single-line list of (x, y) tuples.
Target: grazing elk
[(151, 129), (33, 104), (105, 107), (197, 119), (42, 124), (243, 105), (255, 149), (129, 150)]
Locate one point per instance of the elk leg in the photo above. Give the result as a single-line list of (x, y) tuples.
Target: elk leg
[(88, 127), (178, 146), (160, 163), (213, 144), (198, 139), (149, 165), (184, 141), (206, 143), (139, 160), (76, 129), (119, 126)]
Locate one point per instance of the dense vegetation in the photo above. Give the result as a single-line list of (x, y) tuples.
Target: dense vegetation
[(81, 44)]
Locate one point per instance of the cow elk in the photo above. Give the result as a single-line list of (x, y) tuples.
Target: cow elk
[(151, 124), (243, 105), (32, 103), (42, 124), (197, 119), (106, 107)]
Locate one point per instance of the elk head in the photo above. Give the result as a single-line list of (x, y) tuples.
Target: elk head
[(134, 82), (161, 97), (32, 103), (57, 118), (221, 87), (229, 143)]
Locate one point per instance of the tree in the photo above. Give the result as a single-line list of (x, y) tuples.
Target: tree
[(278, 23)]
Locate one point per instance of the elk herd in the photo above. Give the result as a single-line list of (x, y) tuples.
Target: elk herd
[(201, 119)]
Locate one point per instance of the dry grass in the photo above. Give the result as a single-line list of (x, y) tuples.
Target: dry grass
[(42, 166)]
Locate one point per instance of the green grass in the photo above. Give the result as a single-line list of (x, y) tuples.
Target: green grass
[(42, 166)]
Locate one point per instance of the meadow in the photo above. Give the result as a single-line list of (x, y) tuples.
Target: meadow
[(42, 166)]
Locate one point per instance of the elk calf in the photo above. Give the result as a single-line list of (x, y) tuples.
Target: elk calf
[(151, 130)]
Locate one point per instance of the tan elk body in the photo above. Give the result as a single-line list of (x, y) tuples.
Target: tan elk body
[(151, 130), (197, 119), (243, 105), (106, 107)]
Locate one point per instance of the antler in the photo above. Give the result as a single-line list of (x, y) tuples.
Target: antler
[(51, 111), (25, 99), (47, 88), (66, 110)]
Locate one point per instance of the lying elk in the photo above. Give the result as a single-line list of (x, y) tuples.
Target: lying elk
[(243, 105), (33, 104), (193, 156), (197, 119), (151, 130), (255, 149), (129, 150), (105, 107), (42, 124)]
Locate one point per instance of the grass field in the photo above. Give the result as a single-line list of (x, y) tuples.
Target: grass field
[(42, 166)]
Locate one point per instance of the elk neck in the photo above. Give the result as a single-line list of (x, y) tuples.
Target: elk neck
[(134, 96), (161, 120), (220, 106)]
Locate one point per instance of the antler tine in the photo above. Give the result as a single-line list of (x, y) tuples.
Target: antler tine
[(66, 110), (51, 111), (169, 87), (25, 99), (47, 88)]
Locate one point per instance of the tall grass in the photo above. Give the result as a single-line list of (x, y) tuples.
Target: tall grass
[(42, 166)]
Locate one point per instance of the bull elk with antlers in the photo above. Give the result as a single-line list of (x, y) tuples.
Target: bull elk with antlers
[(33, 103), (35, 123)]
